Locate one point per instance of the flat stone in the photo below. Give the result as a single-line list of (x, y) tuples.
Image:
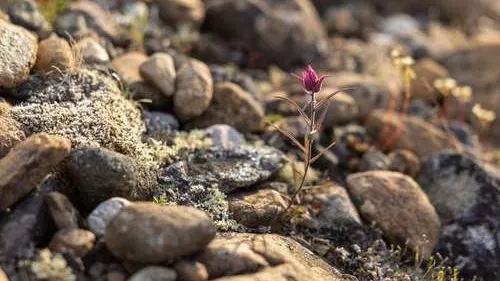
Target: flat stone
[(28, 164)]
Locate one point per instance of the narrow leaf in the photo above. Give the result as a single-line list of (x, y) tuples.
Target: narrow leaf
[(294, 104), (292, 138), (323, 151), (327, 98)]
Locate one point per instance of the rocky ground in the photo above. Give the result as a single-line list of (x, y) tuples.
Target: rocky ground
[(135, 140)]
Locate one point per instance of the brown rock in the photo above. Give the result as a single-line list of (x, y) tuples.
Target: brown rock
[(232, 106), (62, 211), (18, 49), (405, 162), (176, 12), (399, 207), (54, 56), (127, 66), (154, 273), (73, 240), (159, 70), (257, 208), (426, 71), (10, 134), (151, 233), (191, 271), (264, 257), (27, 164), (194, 90), (411, 133), (3, 276)]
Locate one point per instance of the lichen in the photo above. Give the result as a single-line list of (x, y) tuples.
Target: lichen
[(51, 267)]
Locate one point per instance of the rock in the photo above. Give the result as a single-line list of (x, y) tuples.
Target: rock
[(257, 208), (263, 257), (159, 70), (4, 16), (405, 162), (27, 14), (99, 174), (73, 240), (228, 169), (62, 211), (409, 218), (234, 107), (54, 56), (466, 195), (459, 11), (373, 160), (330, 205), (18, 50), (343, 108), (226, 73), (90, 14), (160, 125), (191, 271), (92, 51), (127, 66), (400, 26), (3, 276), (476, 66), (145, 232), (27, 225), (176, 12), (368, 93), (225, 136), (407, 132), (349, 19), (285, 33), (88, 108), (426, 72), (154, 273), (28, 164), (194, 90), (100, 217), (10, 134)]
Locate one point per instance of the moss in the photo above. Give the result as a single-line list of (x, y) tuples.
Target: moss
[(51, 267)]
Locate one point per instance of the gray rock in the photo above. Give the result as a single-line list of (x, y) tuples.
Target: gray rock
[(99, 174), (27, 14), (225, 136), (228, 169), (285, 32), (159, 70), (160, 124), (154, 273), (151, 233), (18, 49), (373, 160), (194, 90), (64, 214), (405, 162), (27, 225), (92, 51), (466, 195), (28, 164), (409, 218), (100, 217), (330, 205)]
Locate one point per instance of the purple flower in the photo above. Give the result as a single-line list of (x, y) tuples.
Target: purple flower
[(310, 80)]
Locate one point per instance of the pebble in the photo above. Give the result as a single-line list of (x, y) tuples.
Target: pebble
[(18, 52), (73, 240), (159, 70), (152, 233), (100, 217), (64, 214)]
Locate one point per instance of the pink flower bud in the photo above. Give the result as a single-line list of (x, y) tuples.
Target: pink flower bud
[(310, 80)]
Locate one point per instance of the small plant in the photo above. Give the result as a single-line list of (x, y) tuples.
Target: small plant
[(482, 118), (313, 115)]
